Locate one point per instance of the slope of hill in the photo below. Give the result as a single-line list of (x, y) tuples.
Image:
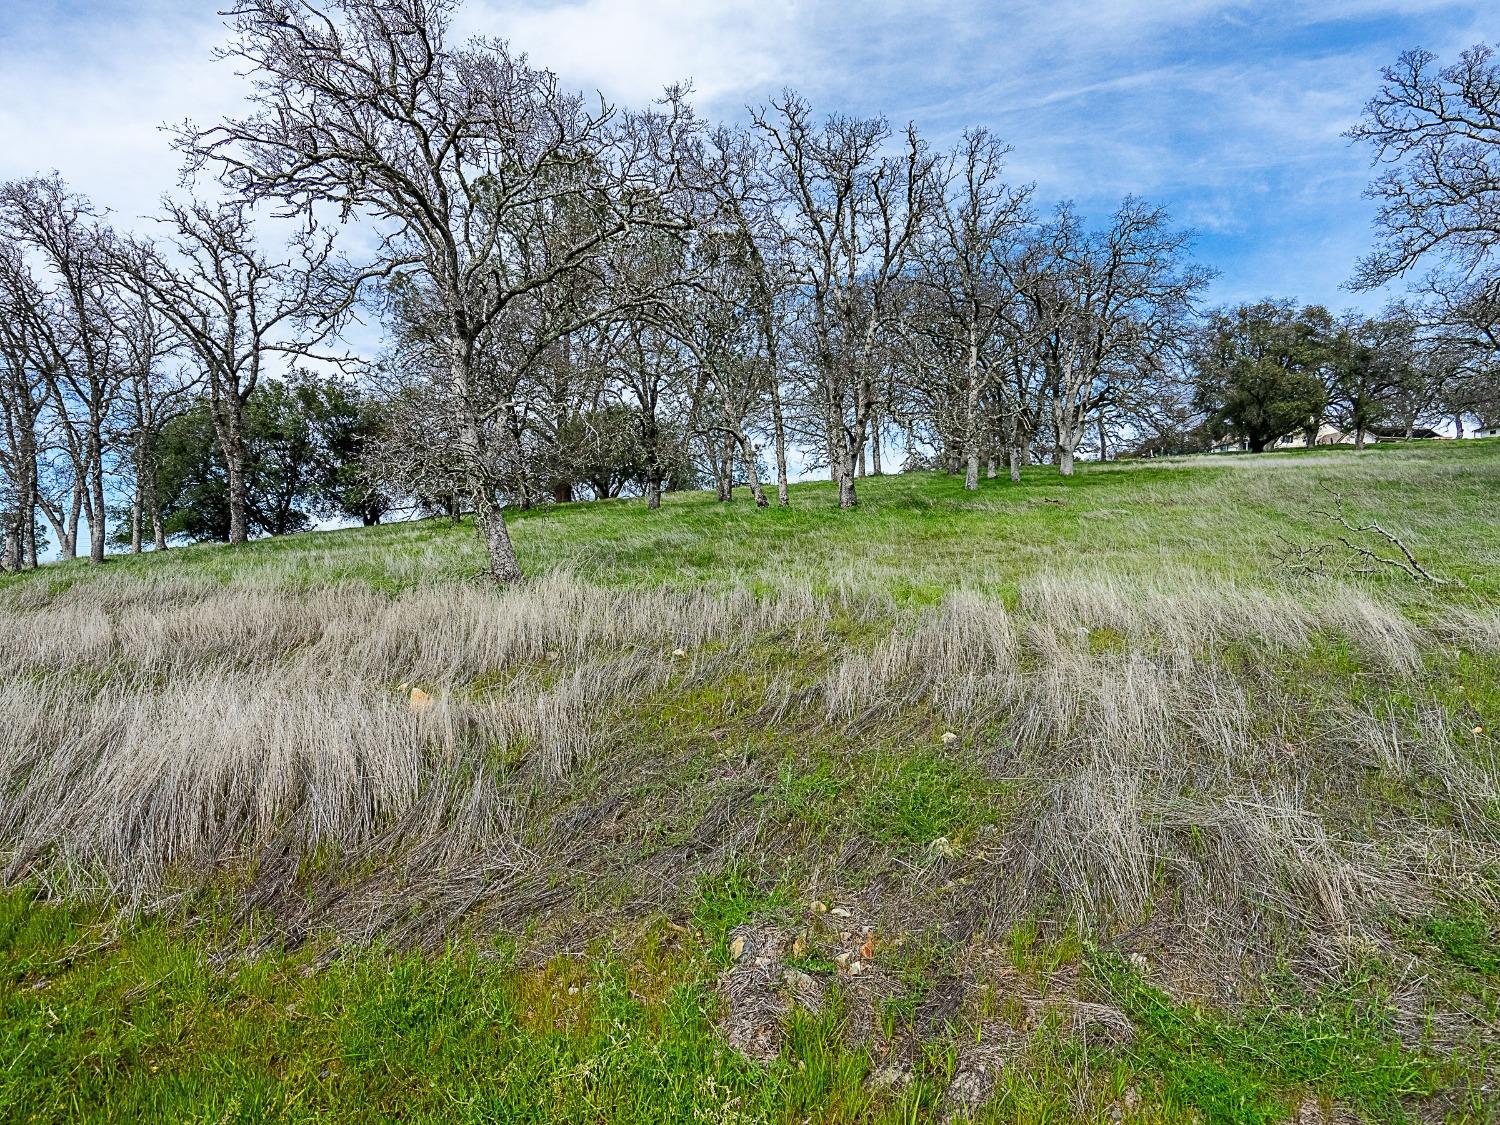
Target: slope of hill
[(1167, 792)]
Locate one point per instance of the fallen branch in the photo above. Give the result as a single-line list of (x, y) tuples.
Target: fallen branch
[(1406, 563)]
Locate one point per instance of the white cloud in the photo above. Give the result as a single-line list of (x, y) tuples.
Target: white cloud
[(1230, 111), (630, 49), (86, 95)]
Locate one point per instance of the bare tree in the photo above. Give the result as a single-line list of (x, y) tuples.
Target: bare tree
[(235, 308), (853, 216), (966, 271), (1098, 302), (1436, 131), (726, 321), (749, 249), (24, 394), (78, 345), (153, 392), (461, 157)]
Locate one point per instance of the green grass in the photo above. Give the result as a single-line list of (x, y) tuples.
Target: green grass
[(916, 536), (1339, 1047), (143, 1027), (727, 797)]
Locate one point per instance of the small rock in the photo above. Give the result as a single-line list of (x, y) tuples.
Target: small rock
[(679, 652), (890, 1078), (840, 912), (819, 907), (419, 700), (949, 738), (943, 848), (856, 967), (804, 989), (737, 948)]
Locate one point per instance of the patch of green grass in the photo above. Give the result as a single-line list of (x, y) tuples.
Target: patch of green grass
[(1248, 1066), (730, 898), (813, 795), (913, 797), (1465, 937), (147, 1029)]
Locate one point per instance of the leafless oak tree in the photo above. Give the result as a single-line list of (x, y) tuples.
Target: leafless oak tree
[(1101, 300), (77, 344), (853, 217), (235, 308), (1436, 131), (460, 157), (965, 269)]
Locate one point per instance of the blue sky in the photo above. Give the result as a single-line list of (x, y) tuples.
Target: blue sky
[(1228, 113)]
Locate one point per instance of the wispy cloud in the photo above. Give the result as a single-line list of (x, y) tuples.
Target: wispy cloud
[(1229, 112)]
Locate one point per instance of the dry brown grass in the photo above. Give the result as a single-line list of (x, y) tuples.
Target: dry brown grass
[(1175, 751), (162, 731), (1189, 752)]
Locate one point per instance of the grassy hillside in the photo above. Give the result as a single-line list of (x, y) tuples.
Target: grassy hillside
[(1138, 796)]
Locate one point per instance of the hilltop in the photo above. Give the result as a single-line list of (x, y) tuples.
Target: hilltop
[(1140, 795)]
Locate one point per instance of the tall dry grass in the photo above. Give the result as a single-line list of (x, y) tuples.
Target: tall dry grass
[(157, 731), (1233, 756), (1203, 750)]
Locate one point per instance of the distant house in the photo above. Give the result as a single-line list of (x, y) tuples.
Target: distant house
[(1327, 435), (1229, 445), (1486, 431)]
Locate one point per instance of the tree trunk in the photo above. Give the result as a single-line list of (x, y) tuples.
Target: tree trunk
[(26, 513), (971, 476), (653, 491), (97, 529), (234, 461), (778, 434), (229, 421), (752, 473), (1359, 437), (875, 448), (726, 476), (990, 471), (502, 555), (847, 496), (1067, 443), (1015, 464), (489, 516), (1103, 440), (68, 533), (1458, 426)]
